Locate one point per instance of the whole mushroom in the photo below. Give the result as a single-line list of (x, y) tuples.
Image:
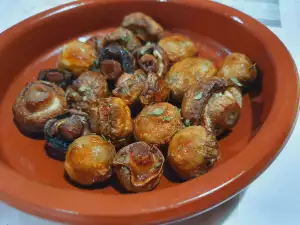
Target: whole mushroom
[(215, 104), (139, 167), (143, 26), (38, 102), (60, 77), (192, 152), (62, 130)]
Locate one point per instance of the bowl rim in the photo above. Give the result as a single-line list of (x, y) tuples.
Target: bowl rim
[(161, 205)]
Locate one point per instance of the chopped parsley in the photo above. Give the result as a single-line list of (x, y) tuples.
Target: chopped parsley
[(198, 96), (179, 147), (157, 165), (236, 81), (166, 118), (157, 112), (187, 123), (104, 138)]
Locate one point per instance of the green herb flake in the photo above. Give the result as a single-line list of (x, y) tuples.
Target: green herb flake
[(157, 165), (166, 118), (104, 138), (82, 88), (198, 96), (187, 123), (124, 91), (236, 81), (179, 147), (157, 112)]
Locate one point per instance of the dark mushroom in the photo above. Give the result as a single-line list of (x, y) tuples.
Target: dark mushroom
[(76, 57), (124, 37), (62, 130), (215, 104), (89, 160), (139, 167), (60, 77), (38, 102), (113, 60), (239, 69), (192, 152), (152, 59), (143, 26), (86, 89)]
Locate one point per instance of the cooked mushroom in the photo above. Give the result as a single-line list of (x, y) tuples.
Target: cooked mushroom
[(62, 130), (86, 89), (38, 102), (113, 61), (96, 42), (156, 124), (157, 90), (187, 72), (131, 87), (178, 47), (111, 118), (139, 167), (215, 104), (152, 59), (89, 160), (143, 26), (60, 77), (239, 69), (76, 57), (192, 152), (123, 37)]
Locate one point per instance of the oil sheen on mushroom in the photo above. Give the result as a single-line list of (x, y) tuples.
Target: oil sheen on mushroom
[(76, 57), (239, 69), (143, 26), (188, 72), (89, 160), (192, 152), (62, 130), (139, 167), (215, 104), (86, 89), (38, 102), (157, 123), (178, 47), (60, 77)]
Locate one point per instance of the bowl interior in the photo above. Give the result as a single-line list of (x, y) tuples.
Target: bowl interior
[(22, 57)]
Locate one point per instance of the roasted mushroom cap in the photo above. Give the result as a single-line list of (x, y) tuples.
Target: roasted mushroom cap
[(192, 152), (123, 37), (111, 117), (152, 59), (178, 47), (157, 90), (96, 42), (113, 60), (188, 72), (38, 102), (62, 130), (86, 89), (76, 57), (239, 69), (143, 26), (139, 167), (89, 160), (156, 124), (60, 77), (215, 104), (131, 87)]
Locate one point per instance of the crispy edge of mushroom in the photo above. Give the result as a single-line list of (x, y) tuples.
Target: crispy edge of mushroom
[(60, 77)]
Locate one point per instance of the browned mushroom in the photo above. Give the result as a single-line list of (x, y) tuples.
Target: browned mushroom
[(192, 152), (143, 26), (60, 77), (139, 167), (96, 42), (239, 69), (178, 47), (38, 102), (215, 104), (123, 37), (111, 118), (89, 160), (86, 89), (186, 73), (76, 57), (62, 130), (157, 123), (152, 59)]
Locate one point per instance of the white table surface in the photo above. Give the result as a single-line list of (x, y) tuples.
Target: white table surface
[(273, 199)]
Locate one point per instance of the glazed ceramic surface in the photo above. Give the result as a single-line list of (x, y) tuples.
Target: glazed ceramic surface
[(35, 183)]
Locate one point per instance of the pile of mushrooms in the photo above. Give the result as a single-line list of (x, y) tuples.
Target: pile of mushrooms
[(122, 102)]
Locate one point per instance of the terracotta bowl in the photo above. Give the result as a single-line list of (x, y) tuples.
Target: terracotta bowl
[(34, 183)]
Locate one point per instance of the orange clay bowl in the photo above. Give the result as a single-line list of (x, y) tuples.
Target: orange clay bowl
[(32, 182)]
